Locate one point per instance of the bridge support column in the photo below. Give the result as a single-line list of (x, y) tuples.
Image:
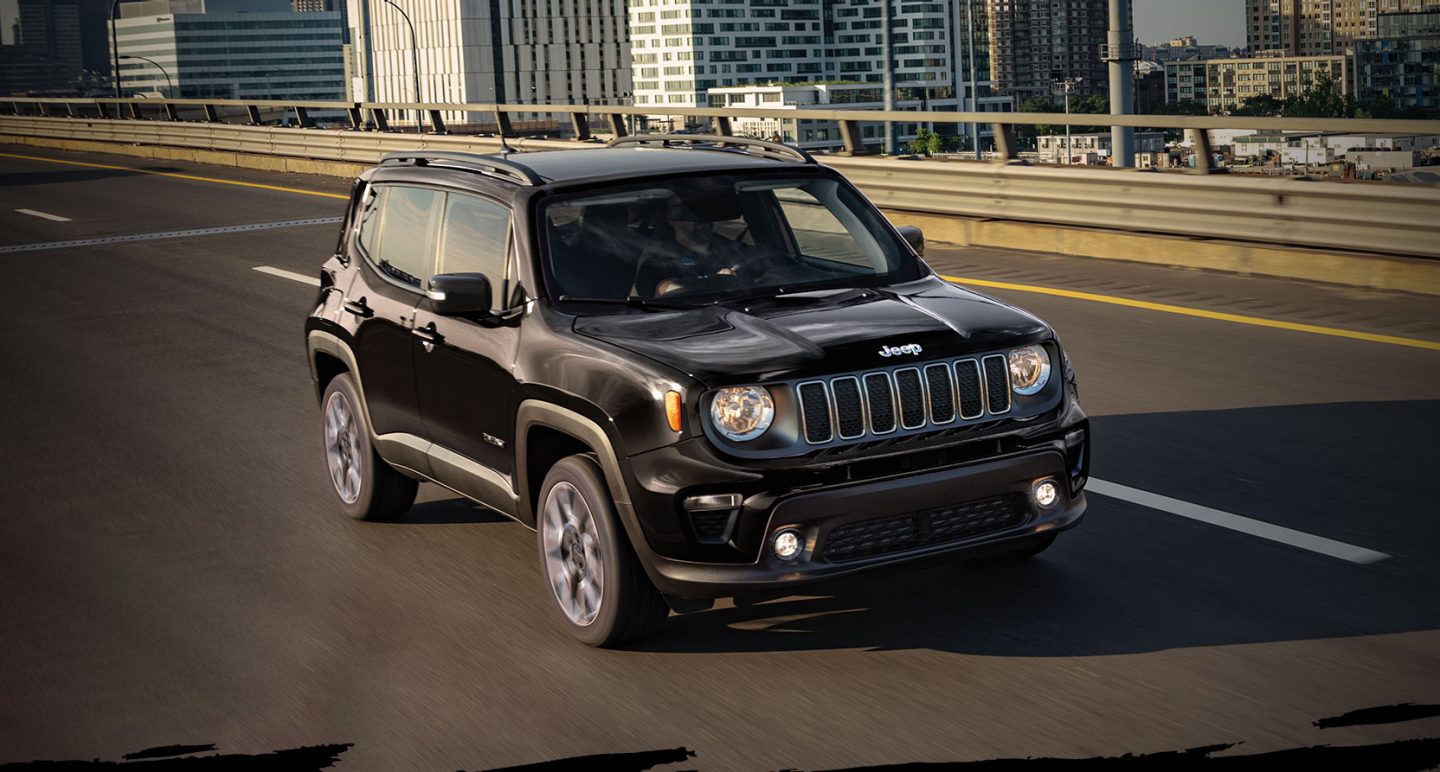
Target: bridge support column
[(1204, 153), (617, 126), (580, 126), (1006, 146), (852, 137)]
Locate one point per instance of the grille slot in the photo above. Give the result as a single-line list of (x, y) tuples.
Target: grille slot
[(942, 394), (972, 394), (912, 398), (849, 410), (941, 525), (815, 412), (881, 400), (997, 384)]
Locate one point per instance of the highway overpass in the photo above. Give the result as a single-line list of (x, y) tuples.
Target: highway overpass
[(1259, 553)]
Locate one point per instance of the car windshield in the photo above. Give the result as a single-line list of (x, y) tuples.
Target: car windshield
[(693, 241)]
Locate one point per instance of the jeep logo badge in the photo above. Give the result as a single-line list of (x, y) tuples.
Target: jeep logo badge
[(895, 351)]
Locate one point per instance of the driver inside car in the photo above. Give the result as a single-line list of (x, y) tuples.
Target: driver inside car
[(691, 258)]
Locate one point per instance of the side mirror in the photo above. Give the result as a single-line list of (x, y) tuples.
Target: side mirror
[(460, 294), (914, 237)]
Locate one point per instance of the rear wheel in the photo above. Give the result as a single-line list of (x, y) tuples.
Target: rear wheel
[(596, 581), (366, 486)]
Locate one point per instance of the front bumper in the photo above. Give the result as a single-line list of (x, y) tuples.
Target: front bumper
[(969, 508)]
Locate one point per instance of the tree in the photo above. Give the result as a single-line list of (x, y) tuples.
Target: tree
[(926, 142)]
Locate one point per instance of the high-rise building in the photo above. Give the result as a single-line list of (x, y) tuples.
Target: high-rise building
[(230, 49), (492, 51), (1402, 63), (56, 41), (1034, 43), (1318, 27), (683, 48)]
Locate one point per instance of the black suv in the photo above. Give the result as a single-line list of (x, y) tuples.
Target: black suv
[(698, 367)]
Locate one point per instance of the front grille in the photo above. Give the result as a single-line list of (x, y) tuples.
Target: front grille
[(941, 525), (850, 407)]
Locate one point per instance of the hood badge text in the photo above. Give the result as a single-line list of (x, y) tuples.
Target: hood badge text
[(895, 351)]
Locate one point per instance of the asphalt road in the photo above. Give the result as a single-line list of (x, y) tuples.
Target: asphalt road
[(172, 569)]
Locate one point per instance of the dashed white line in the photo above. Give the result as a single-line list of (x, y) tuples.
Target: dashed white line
[(1305, 541), (43, 215), (291, 275)]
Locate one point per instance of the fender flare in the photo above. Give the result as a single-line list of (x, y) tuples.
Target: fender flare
[(536, 412)]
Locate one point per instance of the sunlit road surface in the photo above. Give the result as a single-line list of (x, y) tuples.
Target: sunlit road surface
[(172, 569)]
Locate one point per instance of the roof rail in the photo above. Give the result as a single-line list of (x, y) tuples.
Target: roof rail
[(485, 164), (755, 147)]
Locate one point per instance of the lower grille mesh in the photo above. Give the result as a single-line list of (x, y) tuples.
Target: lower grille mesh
[(896, 533)]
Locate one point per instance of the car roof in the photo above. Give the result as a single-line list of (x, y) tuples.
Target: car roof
[(569, 165)]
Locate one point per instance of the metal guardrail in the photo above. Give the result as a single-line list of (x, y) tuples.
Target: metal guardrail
[(1378, 217)]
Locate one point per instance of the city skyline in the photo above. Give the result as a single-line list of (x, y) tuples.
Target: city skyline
[(1155, 21)]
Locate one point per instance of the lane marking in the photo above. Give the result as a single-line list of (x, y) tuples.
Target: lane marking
[(43, 215), (1256, 321), (264, 226), (179, 176), (291, 275), (1305, 541)]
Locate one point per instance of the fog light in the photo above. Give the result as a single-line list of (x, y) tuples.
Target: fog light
[(787, 544), (1046, 493)]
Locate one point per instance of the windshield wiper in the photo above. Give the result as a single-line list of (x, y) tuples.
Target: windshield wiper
[(634, 301)]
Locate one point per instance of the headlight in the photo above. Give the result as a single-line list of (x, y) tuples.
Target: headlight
[(742, 413), (1029, 369)]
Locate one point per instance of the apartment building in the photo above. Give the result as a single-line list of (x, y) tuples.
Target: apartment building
[(681, 49), (1402, 63), (1034, 43), (1229, 83), (1319, 27), (1185, 81)]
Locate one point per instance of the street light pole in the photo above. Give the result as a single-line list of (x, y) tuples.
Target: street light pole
[(169, 84), (1067, 85), (414, 64), (974, 90), (114, 48)]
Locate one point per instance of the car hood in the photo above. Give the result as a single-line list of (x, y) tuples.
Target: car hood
[(793, 336)]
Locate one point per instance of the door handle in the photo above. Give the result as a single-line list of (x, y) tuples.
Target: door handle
[(428, 334), (359, 308)]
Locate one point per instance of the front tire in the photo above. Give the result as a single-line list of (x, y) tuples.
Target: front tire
[(593, 576), (366, 487)]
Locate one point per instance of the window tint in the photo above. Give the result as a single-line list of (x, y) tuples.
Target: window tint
[(406, 249), (473, 237), (370, 218)]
